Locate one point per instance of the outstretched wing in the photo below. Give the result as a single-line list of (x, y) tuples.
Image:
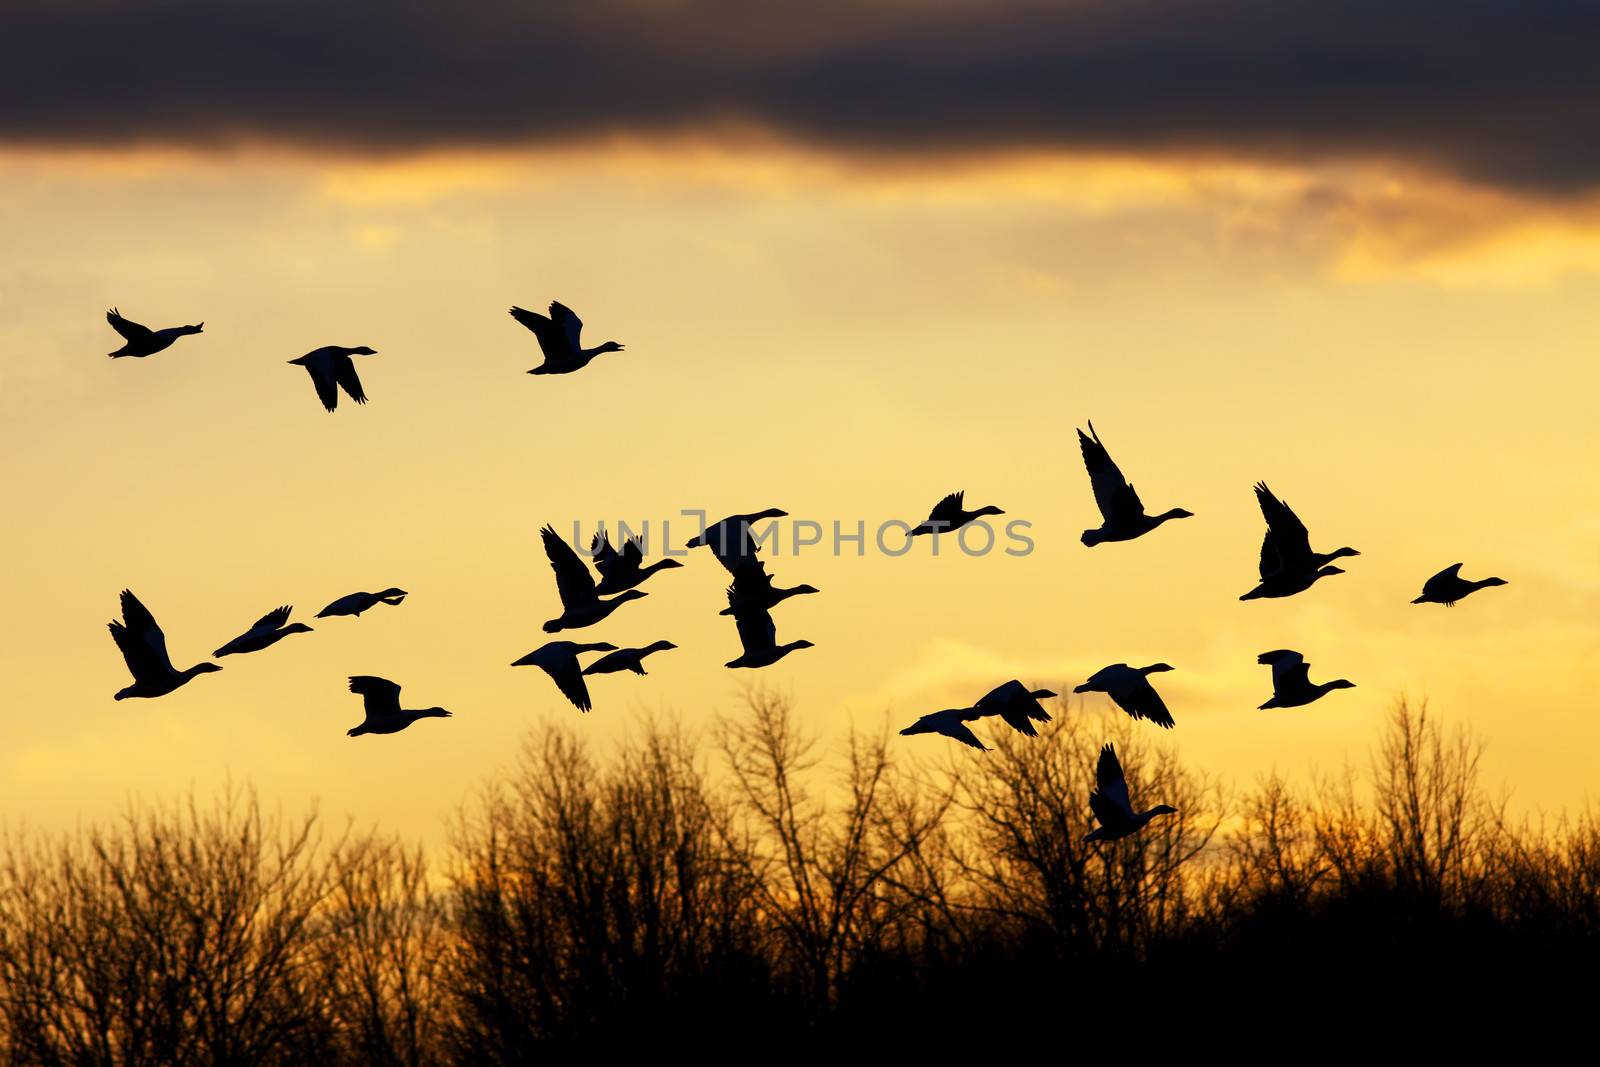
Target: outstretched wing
[(1443, 581), (552, 340), (273, 619), (632, 554), (378, 695), (757, 632), (953, 727), (1112, 493), (949, 510), (322, 378), (1287, 545), (574, 583), (750, 581), (568, 677), (344, 372), (1141, 701), (143, 645), (1289, 668), (605, 557), (130, 330), (1110, 785), (568, 322)]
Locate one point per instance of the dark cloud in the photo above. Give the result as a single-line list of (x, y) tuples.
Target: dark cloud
[(1504, 92)]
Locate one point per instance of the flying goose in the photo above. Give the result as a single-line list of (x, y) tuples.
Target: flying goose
[(621, 571), (730, 540), (1288, 566), (759, 636), (143, 341), (1110, 804), (559, 659), (1017, 705), (356, 603), (266, 631), (144, 648), (381, 698), (558, 338), (331, 370), (1291, 680), (580, 602), (752, 587), (627, 659), (1121, 510), (950, 514), (1131, 690), (952, 723), (1448, 586)]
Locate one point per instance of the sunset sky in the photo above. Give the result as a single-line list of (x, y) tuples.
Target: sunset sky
[(860, 256)]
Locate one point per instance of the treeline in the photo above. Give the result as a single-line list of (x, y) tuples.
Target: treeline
[(748, 889)]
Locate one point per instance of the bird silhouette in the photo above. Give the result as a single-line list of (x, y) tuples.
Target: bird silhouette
[(627, 659), (268, 630), (1121, 511), (1448, 586), (620, 571), (952, 723), (1131, 690), (1016, 705), (759, 636), (140, 341), (752, 588), (559, 659), (144, 649), (356, 603), (950, 514), (558, 338), (580, 601), (1291, 680), (1288, 565), (1110, 804), (331, 369), (381, 699), (730, 540)]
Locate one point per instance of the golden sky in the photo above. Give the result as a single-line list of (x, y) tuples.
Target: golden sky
[(1407, 359)]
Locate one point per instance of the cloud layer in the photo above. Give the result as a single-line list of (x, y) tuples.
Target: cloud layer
[(1501, 92)]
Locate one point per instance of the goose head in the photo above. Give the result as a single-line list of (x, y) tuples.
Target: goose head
[(667, 564), (629, 594), (660, 646), (800, 589), (1323, 572), (1338, 683), (1041, 694), (361, 350), (1346, 551), (1491, 581), (1086, 687), (391, 592), (297, 628), (770, 513), (203, 668), (1175, 513), (609, 346), (1160, 809), (194, 329), (988, 509), (794, 646), (1157, 668)]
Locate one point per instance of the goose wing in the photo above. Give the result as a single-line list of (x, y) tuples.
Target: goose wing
[(378, 695), (568, 322), (949, 510), (344, 372), (632, 554), (1287, 545), (574, 583), (1443, 581), (130, 330), (1290, 670), (1141, 701), (757, 632), (552, 341), (1111, 789), (606, 558), (322, 377), (274, 619), (951, 726), (563, 670), (1112, 493), (143, 645), (750, 580)]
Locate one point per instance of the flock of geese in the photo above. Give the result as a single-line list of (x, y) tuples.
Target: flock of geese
[(1288, 566)]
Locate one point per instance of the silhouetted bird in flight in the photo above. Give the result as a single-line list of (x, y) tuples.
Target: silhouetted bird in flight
[(1017, 705), (381, 698), (144, 647), (559, 659), (759, 636), (752, 588), (1291, 680), (331, 370), (950, 514), (1288, 566), (1110, 804), (1448, 586), (1121, 510), (580, 603), (268, 630), (952, 723), (356, 603), (627, 659), (143, 341), (1131, 690), (558, 337), (730, 540), (620, 571)]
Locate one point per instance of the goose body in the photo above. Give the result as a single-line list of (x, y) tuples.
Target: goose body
[(356, 603), (621, 571), (752, 588), (951, 723), (1110, 803), (144, 649), (580, 600), (1016, 705), (1288, 564), (267, 631), (559, 659), (331, 369), (627, 659), (730, 540), (140, 341), (1121, 511), (381, 700), (758, 635), (558, 337), (1448, 586), (1130, 688), (1291, 680), (950, 514)]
